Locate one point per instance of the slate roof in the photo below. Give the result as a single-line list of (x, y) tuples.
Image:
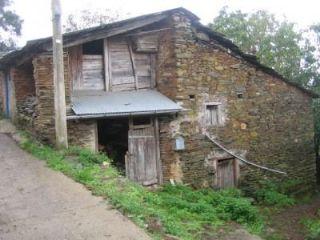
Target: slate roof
[(73, 38)]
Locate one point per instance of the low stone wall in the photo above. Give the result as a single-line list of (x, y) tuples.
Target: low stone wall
[(84, 134)]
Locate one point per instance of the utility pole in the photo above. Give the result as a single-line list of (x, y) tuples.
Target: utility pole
[(58, 77)]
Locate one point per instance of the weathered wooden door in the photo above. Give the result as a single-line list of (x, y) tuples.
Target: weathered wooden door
[(226, 173), (7, 94), (142, 159)]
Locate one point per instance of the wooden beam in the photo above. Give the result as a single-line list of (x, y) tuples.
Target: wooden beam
[(58, 78), (133, 65), (100, 34), (149, 32), (159, 163), (106, 65), (153, 67)]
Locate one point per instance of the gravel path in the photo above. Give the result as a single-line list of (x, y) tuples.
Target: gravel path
[(38, 203)]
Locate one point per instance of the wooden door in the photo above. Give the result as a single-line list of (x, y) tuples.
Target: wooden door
[(7, 94), (226, 173), (142, 160)]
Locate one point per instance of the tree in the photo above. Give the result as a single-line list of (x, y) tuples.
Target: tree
[(89, 18), (10, 26), (276, 43), (314, 34)]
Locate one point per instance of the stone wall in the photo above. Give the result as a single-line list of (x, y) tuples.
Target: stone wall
[(264, 119), (166, 83), (83, 134), (43, 75), (2, 96), (80, 133), (23, 82), (24, 85)]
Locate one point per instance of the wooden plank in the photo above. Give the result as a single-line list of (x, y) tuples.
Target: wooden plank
[(106, 64), (93, 35), (133, 65), (147, 43), (121, 68), (75, 62), (92, 73), (149, 32), (123, 87), (153, 66), (142, 154), (92, 57), (157, 139), (226, 173)]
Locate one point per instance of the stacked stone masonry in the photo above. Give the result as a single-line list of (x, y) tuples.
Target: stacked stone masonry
[(271, 123), (263, 118)]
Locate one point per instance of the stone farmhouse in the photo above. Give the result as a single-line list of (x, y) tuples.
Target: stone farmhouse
[(168, 99)]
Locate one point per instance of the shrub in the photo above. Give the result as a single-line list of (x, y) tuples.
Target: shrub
[(273, 193), (313, 228)]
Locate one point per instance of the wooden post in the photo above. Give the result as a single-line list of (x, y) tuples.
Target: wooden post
[(58, 77)]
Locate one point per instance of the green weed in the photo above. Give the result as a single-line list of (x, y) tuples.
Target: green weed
[(275, 194), (177, 210), (313, 228)]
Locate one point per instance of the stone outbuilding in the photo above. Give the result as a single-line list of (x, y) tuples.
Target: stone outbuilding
[(167, 99)]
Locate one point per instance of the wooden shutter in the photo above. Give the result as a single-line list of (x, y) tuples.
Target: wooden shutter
[(92, 70), (75, 62), (122, 76), (144, 64), (129, 70), (87, 72)]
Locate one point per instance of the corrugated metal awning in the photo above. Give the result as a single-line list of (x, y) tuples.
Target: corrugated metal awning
[(127, 103)]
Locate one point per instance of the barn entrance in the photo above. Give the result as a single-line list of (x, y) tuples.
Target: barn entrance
[(132, 144), (113, 140)]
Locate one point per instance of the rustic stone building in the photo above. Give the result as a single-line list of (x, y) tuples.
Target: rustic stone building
[(150, 92)]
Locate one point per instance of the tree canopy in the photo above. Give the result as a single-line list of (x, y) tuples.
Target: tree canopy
[(10, 26), (89, 18), (277, 44)]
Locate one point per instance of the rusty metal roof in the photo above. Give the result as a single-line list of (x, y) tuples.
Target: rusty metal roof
[(107, 104)]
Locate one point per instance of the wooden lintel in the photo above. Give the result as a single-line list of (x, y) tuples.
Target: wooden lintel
[(149, 32)]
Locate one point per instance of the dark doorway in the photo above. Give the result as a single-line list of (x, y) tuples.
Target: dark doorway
[(113, 140)]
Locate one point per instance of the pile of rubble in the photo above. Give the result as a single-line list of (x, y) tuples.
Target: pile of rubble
[(27, 107)]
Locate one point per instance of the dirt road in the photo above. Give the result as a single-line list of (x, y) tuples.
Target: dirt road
[(38, 203)]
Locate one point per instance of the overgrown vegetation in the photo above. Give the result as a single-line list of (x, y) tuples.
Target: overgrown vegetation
[(175, 210), (276, 194), (313, 227)]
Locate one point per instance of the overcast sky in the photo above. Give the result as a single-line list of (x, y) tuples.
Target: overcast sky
[(37, 16)]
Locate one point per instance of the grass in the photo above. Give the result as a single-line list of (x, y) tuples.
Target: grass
[(276, 194), (176, 210), (312, 225)]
